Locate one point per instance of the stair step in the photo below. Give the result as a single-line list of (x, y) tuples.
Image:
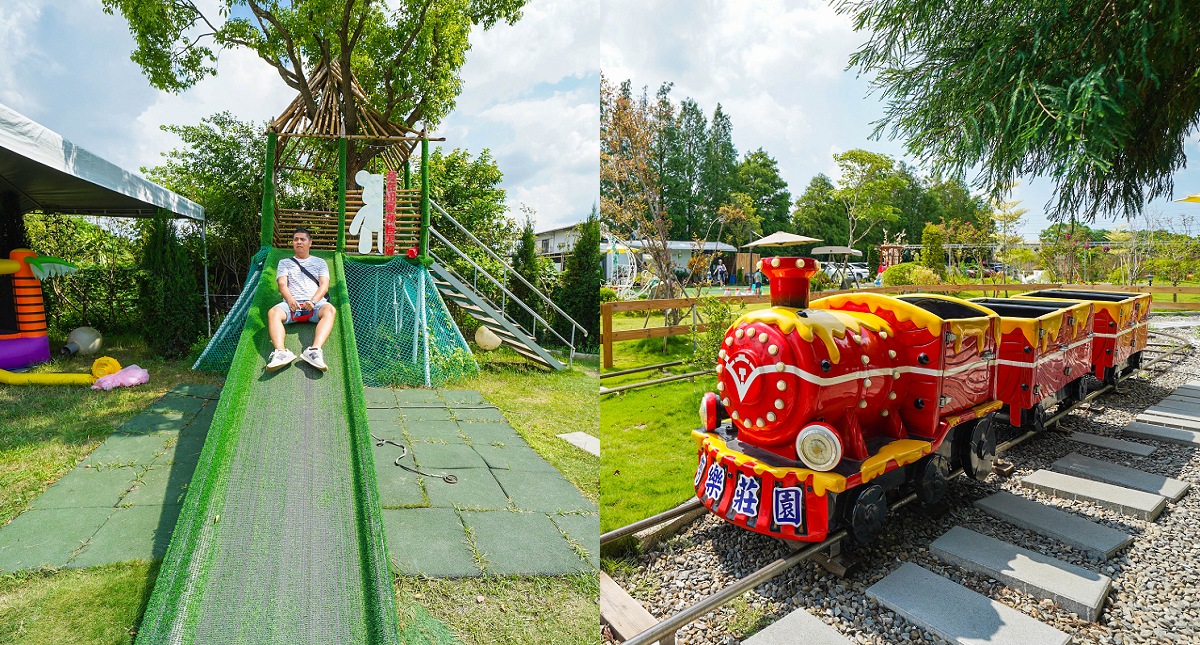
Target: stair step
[(1105, 471), (1170, 422), (1067, 528), (1071, 587), (798, 627), (1112, 443), (1136, 503), (956, 613), (1161, 433)]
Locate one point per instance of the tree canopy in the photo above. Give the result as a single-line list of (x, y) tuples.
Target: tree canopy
[(1098, 96)]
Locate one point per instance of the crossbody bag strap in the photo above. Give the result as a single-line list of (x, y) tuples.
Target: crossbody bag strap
[(305, 272)]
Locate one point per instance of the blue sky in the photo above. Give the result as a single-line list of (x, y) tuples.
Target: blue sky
[(777, 67), (530, 95)]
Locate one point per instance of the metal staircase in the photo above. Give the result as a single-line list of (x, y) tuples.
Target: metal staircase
[(465, 293)]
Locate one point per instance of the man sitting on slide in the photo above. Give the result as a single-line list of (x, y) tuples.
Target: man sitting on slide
[(303, 282)]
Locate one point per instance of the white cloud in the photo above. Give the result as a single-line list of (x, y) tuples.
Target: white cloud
[(19, 52)]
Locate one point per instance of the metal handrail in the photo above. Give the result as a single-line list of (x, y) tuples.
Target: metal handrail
[(474, 283), (502, 288), (507, 268)]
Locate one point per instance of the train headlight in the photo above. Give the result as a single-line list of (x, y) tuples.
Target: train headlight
[(818, 447), (708, 411)]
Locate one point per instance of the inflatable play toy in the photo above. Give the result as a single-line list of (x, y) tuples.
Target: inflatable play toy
[(102, 366), (29, 344), (82, 340)]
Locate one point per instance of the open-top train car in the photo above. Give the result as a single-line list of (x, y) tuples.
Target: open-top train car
[(825, 411)]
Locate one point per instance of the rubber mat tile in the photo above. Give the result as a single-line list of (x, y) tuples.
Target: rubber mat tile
[(88, 488), (462, 397), (159, 486), (418, 396), (542, 492), (184, 406), (583, 530), (451, 456), (136, 533), (478, 414), (522, 544), (476, 489), (185, 451), (211, 392), (131, 449), (379, 398), (429, 541), (383, 414), (47, 538), (397, 487), (491, 432), (436, 431), (513, 457), (203, 418), (411, 415), (152, 422)]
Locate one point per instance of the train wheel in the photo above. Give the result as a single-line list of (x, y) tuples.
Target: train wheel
[(867, 513), (975, 444), (931, 479)]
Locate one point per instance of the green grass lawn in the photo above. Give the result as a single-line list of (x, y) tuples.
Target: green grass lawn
[(47, 431)]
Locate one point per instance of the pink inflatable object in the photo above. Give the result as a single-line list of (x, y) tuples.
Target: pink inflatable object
[(131, 375)]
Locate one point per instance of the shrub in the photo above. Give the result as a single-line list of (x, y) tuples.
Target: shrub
[(719, 317), (607, 294), (908, 273), (169, 300)]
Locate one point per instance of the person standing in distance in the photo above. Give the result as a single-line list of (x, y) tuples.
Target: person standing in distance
[(303, 282)]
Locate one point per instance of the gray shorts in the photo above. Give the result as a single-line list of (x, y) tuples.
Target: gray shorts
[(291, 316)]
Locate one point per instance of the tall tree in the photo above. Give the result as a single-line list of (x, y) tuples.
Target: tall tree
[(407, 55), (865, 191), (681, 177), (1099, 96), (526, 264), (468, 187), (579, 292), (718, 170), (817, 212), (1007, 216), (758, 177), (171, 305)]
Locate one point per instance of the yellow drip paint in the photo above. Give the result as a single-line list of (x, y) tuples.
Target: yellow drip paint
[(903, 311), (903, 451), (821, 482), (819, 323), (974, 327)]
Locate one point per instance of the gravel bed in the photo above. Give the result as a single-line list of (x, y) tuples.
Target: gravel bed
[(1155, 596)]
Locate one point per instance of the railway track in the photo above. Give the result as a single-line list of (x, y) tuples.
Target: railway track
[(959, 546)]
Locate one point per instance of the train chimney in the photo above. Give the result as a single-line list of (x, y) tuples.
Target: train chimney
[(789, 280)]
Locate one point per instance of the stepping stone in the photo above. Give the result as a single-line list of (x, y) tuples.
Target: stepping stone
[(1105, 471), (1161, 433), (624, 616), (958, 614), (1112, 443), (1170, 422), (1173, 413), (1183, 403), (1073, 588), (1136, 503), (1067, 528), (583, 441), (798, 627)]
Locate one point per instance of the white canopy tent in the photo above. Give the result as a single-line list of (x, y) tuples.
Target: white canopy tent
[(48, 173)]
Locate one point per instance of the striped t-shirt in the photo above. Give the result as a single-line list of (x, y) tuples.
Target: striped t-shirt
[(301, 287)]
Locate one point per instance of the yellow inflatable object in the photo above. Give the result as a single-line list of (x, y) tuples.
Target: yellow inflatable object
[(100, 367)]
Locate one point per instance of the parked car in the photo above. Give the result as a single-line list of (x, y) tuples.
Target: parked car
[(855, 270)]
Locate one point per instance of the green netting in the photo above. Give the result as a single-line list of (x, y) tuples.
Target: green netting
[(280, 539), (218, 354), (404, 332)]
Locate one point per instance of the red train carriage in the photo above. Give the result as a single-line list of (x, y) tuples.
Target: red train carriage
[(1120, 324), (1045, 353), (835, 404)]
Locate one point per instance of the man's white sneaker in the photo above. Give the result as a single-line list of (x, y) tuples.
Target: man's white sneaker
[(314, 357), (279, 358)]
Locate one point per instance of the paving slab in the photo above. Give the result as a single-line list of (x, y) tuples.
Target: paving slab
[(1112, 443), (173, 404), (160, 486), (48, 538), (88, 488), (147, 422), (379, 397), (547, 492), (582, 530), (798, 627), (435, 431), (397, 487), (514, 457), (429, 541), (1136, 503), (1180, 402), (1067, 528), (210, 392), (135, 533), (1161, 411), (1071, 587), (131, 449), (185, 450), (522, 544), (1161, 433), (383, 416), (491, 432), (1106, 471), (432, 457), (476, 489), (417, 396), (479, 414), (583, 441), (1170, 422), (417, 415), (958, 614), (462, 397)]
